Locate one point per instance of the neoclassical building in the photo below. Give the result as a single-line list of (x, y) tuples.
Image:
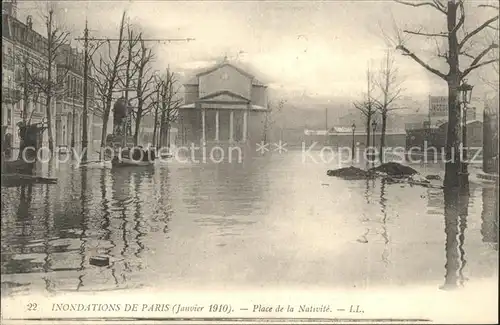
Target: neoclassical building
[(223, 104)]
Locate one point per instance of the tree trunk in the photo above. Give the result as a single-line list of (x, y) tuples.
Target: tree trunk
[(368, 122), (382, 136), (167, 134), (162, 126), (48, 94), (104, 133), (22, 144), (85, 125), (49, 123), (453, 159), (155, 127), (137, 124), (453, 177)]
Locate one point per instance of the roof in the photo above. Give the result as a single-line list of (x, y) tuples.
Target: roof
[(193, 105), (347, 130), (468, 122), (33, 40), (341, 129), (195, 80)]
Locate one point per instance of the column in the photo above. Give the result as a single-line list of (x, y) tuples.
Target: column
[(216, 125), (245, 125), (203, 126), (231, 115)]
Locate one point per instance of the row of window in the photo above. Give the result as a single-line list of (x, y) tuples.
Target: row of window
[(30, 37), (38, 106), (74, 87)]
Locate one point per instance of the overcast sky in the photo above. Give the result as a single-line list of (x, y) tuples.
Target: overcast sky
[(319, 48)]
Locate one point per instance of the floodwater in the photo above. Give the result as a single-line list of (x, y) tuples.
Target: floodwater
[(272, 221)]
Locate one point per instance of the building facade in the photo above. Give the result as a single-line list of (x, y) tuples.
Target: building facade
[(435, 137), (24, 56), (490, 134), (438, 110), (223, 104), (69, 113)]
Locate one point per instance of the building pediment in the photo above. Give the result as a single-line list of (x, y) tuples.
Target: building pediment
[(225, 78), (225, 96)]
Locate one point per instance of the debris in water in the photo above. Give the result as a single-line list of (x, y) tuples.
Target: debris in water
[(99, 260), (433, 177), (350, 173), (394, 169)]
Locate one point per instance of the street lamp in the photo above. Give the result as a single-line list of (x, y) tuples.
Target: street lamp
[(466, 91), (352, 148)]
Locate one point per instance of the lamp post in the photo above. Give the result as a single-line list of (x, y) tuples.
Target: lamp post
[(352, 148), (466, 91)]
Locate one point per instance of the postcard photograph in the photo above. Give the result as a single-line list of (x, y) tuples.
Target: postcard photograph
[(249, 161)]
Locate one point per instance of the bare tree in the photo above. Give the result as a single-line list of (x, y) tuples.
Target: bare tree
[(458, 47), (23, 88), (368, 105), (169, 103), (270, 117), (389, 84), (106, 79), (144, 87), (49, 85), (156, 108), (491, 79), (130, 71), (26, 75)]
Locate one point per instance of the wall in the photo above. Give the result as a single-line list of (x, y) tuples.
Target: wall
[(225, 78), (190, 94), (259, 96)]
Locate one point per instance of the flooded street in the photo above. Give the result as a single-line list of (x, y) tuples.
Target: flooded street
[(273, 221)]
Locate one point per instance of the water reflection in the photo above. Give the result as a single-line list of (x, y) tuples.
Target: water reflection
[(456, 203), (20, 234), (105, 237), (137, 182), (227, 219), (83, 226), (383, 208)]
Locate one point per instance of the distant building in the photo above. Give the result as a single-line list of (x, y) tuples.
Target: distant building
[(435, 137), (490, 134), (342, 136), (438, 110), (223, 104), (414, 125)]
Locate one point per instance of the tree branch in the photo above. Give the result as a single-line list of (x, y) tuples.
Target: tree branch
[(489, 6), (442, 34), (461, 21), (466, 72), (475, 31), (476, 62), (419, 61), (435, 4)]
